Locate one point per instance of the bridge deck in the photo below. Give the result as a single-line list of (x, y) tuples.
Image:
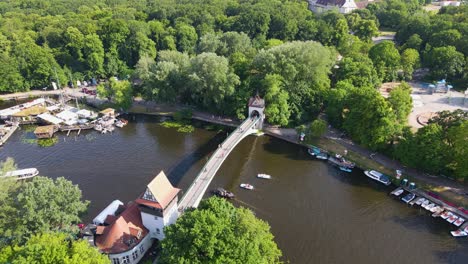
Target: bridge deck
[(196, 191)]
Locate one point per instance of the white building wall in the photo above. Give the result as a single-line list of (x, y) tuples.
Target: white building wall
[(156, 224), (134, 255)]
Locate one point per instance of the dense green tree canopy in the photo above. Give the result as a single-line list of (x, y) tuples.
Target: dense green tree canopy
[(304, 68), (41, 205), (53, 248), (218, 232)]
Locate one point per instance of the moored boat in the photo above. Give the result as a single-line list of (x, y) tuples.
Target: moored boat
[(223, 193), (22, 174), (345, 169), (398, 191), (375, 175), (263, 176), (459, 233), (246, 186), (445, 215), (407, 198), (420, 201), (452, 218), (459, 221)]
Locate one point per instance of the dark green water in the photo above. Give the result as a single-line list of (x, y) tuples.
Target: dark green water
[(318, 214)]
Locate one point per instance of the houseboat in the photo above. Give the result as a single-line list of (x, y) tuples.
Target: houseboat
[(22, 174), (375, 175), (45, 131)]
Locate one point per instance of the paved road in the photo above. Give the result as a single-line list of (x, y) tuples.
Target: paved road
[(199, 186)]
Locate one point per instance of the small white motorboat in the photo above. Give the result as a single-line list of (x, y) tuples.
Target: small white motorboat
[(445, 215), (452, 218), (459, 233), (397, 191), (263, 176), (420, 201), (434, 209), (246, 186), (430, 206), (459, 221), (22, 174)]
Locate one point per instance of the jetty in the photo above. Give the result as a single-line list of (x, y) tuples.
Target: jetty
[(8, 134)]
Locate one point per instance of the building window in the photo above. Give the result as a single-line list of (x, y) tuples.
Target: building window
[(158, 231), (126, 259), (142, 249), (135, 254), (115, 261)]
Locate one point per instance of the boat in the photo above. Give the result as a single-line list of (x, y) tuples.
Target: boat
[(318, 153), (263, 176), (223, 193), (345, 169), (397, 191), (459, 221), (452, 218), (22, 174), (434, 209), (425, 203), (322, 156), (340, 161), (408, 197), (246, 186), (420, 200), (438, 213), (375, 175), (445, 215), (459, 233), (121, 123)]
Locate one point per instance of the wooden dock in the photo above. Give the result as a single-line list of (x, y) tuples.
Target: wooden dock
[(8, 134)]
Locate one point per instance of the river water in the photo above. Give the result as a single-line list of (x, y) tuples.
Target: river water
[(318, 214)]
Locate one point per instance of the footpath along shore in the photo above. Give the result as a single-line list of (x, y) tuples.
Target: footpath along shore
[(332, 142)]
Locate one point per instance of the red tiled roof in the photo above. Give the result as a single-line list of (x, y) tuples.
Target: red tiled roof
[(148, 203), (117, 236)]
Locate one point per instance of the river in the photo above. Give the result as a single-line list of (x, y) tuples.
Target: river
[(318, 214)]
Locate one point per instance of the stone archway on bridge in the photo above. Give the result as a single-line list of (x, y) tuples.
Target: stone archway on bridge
[(257, 109)]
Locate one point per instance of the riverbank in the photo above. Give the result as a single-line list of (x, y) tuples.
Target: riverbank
[(332, 142)]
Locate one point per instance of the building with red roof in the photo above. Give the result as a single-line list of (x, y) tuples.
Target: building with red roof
[(125, 233)]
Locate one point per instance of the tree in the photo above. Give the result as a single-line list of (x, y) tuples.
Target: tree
[(401, 102), (211, 81), (386, 60), (120, 92), (409, 61), (366, 29), (52, 248), (369, 119), (42, 205), (458, 136), (218, 232), (318, 128), (277, 110), (358, 70), (445, 62), (304, 68)]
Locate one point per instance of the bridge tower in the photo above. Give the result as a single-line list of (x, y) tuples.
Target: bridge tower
[(256, 109)]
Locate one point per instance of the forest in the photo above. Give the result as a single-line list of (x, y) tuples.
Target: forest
[(214, 55)]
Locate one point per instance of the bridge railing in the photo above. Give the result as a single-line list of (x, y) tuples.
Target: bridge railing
[(214, 156)]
